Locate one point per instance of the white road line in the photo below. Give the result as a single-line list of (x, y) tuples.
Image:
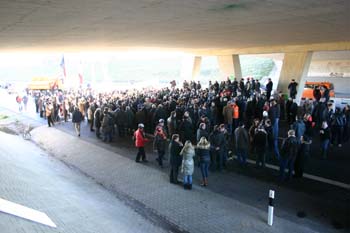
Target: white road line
[(25, 212), (309, 176)]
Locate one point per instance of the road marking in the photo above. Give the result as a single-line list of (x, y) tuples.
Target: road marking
[(309, 176), (25, 212)]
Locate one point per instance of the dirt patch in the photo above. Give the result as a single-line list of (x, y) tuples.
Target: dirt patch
[(14, 128), (8, 130)]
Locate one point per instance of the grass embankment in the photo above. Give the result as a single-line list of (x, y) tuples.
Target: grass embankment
[(2, 117)]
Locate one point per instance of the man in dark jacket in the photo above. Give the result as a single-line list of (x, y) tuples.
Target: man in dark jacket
[(293, 112), (186, 128), (218, 144), (292, 87), (175, 147), (241, 143), (97, 118), (289, 152), (338, 122), (303, 156), (269, 87), (107, 126), (77, 118), (160, 144), (274, 115), (260, 144), (122, 120)]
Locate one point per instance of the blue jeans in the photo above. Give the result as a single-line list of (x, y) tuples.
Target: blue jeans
[(204, 169), (107, 136), (221, 159), (275, 138), (242, 155), (286, 163), (229, 129), (188, 179), (275, 129), (324, 147)]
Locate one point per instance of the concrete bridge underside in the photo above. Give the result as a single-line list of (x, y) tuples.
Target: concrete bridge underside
[(223, 28)]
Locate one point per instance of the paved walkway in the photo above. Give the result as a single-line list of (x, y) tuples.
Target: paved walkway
[(199, 210), (75, 203)]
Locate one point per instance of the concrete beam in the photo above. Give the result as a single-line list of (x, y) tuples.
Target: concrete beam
[(295, 66), (333, 46), (230, 65)]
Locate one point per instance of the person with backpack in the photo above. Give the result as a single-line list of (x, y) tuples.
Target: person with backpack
[(303, 155), (260, 144), (288, 154)]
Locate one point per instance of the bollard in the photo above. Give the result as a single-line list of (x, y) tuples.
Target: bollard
[(270, 210)]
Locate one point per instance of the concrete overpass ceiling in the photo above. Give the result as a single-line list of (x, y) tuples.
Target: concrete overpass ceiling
[(331, 55), (179, 24)]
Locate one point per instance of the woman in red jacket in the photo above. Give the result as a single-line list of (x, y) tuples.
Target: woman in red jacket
[(140, 141)]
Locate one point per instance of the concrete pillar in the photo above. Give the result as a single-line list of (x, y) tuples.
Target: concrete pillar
[(237, 67), (230, 65), (196, 67), (295, 66)]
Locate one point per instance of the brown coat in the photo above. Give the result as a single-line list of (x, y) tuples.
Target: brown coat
[(227, 112)]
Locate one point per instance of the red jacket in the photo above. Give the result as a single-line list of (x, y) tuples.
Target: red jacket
[(139, 138)]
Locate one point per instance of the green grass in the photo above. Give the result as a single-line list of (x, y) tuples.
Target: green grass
[(3, 117)]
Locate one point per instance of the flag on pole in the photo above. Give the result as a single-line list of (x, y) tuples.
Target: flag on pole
[(81, 79), (80, 74), (63, 66)]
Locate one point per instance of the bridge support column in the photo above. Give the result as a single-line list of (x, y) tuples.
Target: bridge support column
[(196, 67), (295, 66), (230, 65)]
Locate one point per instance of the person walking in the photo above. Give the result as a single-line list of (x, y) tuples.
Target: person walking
[(175, 148), (203, 152), (187, 165), (140, 141), (49, 113), (77, 118)]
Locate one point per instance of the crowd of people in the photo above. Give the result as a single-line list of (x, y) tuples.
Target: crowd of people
[(207, 125)]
